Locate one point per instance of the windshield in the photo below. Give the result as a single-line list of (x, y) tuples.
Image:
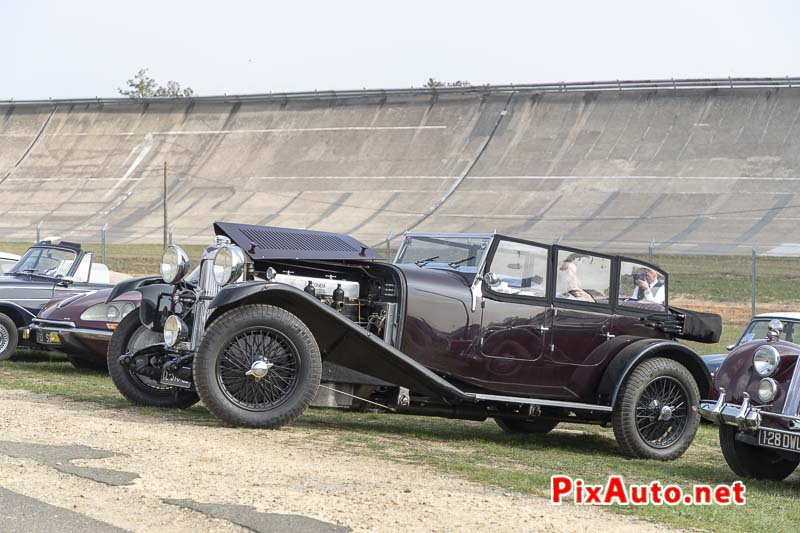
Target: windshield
[(758, 329), (6, 265), (52, 262), (463, 253)]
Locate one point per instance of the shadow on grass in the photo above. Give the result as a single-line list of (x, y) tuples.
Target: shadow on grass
[(455, 431)]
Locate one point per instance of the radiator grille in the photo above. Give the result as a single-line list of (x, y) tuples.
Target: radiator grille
[(791, 406), (208, 289)]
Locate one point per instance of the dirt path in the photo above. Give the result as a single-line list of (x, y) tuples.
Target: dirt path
[(274, 471)]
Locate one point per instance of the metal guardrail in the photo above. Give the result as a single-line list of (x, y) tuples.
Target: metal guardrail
[(581, 86)]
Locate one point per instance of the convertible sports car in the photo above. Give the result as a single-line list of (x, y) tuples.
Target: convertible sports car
[(47, 270), (756, 403), (461, 326)]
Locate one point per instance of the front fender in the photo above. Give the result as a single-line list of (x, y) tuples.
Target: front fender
[(624, 362), (151, 288), (340, 340), (21, 316)]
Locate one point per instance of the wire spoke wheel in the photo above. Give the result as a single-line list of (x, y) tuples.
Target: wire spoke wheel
[(4, 337), (662, 411), (258, 368)]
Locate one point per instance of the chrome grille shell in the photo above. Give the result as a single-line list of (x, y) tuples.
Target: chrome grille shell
[(791, 405), (206, 290)]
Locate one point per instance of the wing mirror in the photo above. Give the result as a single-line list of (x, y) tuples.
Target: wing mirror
[(66, 281), (491, 279)]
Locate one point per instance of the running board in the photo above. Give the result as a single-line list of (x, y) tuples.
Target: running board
[(536, 401)]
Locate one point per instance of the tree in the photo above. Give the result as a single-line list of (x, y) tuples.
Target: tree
[(143, 86), (434, 83)]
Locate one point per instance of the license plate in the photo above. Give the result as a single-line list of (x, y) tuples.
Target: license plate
[(782, 440), (171, 380), (47, 337)]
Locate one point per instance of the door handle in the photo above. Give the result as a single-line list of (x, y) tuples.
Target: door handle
[(543, 328), (608, 335)]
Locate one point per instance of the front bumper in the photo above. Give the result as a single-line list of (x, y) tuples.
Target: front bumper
[(64, 336), (746, 417)]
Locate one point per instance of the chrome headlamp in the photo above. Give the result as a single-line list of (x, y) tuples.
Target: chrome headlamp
[(111, 312), (228, 264), (175, 330), (766, 360), (767, 390), (174, 264)]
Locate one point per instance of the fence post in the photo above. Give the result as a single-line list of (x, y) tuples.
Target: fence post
[(650, 250), (103, 241), (753, 276), (38, 228)]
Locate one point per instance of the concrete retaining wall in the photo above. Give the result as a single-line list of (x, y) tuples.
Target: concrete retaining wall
[(694, 170)]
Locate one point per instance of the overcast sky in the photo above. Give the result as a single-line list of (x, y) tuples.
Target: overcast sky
[(64, 49)]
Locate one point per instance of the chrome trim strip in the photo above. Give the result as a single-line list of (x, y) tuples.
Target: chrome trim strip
[(53, 323), (85, 333), (791, 405), (537, 401)]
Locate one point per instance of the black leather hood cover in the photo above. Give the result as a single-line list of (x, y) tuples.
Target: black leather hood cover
[(265, 242)]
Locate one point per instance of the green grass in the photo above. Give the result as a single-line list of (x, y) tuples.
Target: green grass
[(479, 452)]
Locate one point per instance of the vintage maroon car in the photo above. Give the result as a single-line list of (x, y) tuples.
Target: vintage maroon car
[(81, 325), (461, 326), (756, 402)]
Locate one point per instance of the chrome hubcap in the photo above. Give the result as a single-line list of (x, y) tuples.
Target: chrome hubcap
[(259, 370), (666, 413), (3, 338)]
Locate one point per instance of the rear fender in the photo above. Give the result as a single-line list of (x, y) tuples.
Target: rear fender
[(340, 340), (21, 316), (626, 360)]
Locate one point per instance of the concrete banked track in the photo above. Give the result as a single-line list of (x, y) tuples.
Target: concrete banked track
[(700, 168)]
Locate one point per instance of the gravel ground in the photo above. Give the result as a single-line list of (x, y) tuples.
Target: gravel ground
[(274, 471)]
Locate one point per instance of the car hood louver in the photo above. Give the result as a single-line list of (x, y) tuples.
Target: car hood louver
[(264, 242)]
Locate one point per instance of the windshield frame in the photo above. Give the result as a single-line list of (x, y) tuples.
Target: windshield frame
[(77, 256), (755, 320), (480, 259)]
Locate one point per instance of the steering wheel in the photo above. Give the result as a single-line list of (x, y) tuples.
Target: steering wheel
[(572, 292)]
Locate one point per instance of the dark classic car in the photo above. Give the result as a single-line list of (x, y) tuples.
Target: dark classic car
[(460, 326), (756, 403), (47, 270), (757, 329), (81, 325)]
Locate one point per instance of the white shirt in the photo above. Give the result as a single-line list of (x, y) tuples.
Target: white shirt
[(656, 294)]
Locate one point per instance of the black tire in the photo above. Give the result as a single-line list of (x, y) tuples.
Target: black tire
[(8, 337), (642, 425), (513, 425), (141, 390), (753, 461), (234, 343), (84, 363)]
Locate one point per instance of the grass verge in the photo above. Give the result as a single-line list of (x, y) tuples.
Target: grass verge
[(480, 452)]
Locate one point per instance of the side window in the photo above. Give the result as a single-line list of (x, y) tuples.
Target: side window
[(518, 269), (641, 287), (583, 277)]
